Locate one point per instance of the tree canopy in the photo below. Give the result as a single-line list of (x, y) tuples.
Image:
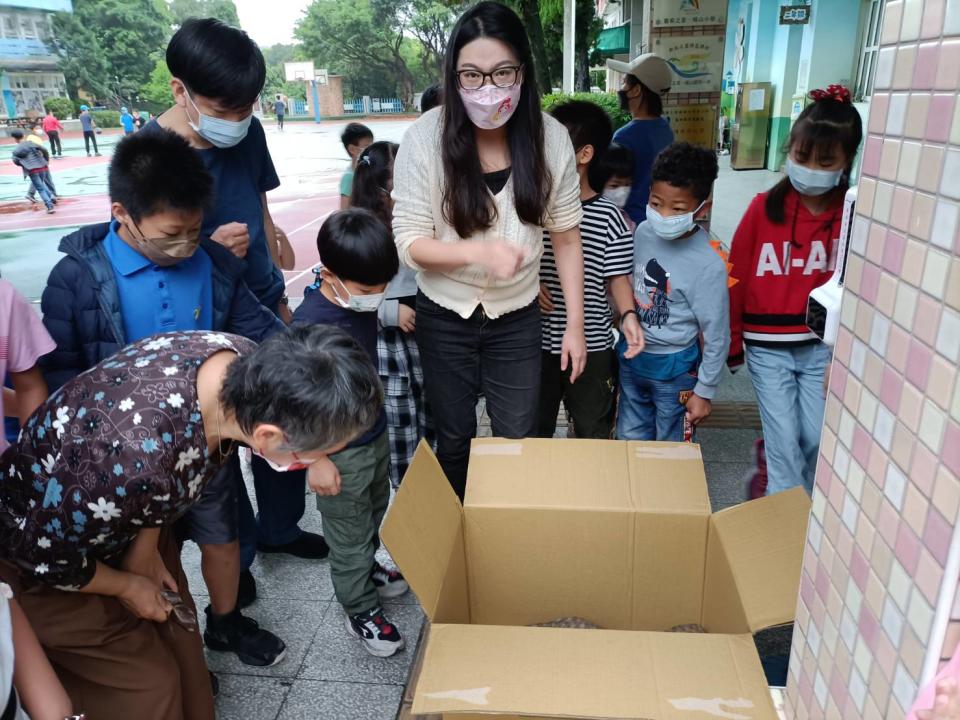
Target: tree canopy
[(223, 10)]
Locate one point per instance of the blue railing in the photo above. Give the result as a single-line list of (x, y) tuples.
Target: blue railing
[(353, 107), (300, 107), (386, 105)]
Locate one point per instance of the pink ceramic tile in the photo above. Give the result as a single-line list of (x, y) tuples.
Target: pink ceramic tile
[(871, 156), (907, 549), (919, 358), (948, 66), (822, 583), (926, 322), (869, 281), (950, 454), (923, 471), (940, 117), (859, 569), (890, 388), (806, 690), (932, 24), (806, 589), (903, 66), (925, 71), (893, 251), (838, 687), (888, 523), (868, 626), (902, 203), (861, 445), (838, 380), (878, 115), (937, 536), (929, 575), (897, 346)]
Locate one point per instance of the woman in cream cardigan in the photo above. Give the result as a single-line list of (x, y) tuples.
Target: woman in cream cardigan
[(476, 183)]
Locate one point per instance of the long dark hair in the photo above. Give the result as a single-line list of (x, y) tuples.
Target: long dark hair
[(829, 121), (467, 203), (373, 180)]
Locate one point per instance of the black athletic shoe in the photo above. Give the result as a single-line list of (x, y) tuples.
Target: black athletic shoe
[(247, 592), (214, 684), (309, 546), (378, 635), (390, 583), (242, 635)]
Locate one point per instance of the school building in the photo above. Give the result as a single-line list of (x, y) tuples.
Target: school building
[(29, 71)]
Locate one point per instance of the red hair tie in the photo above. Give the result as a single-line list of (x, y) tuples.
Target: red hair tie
[(833, 92)]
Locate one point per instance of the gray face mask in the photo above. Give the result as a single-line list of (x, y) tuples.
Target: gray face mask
[(219, 132)]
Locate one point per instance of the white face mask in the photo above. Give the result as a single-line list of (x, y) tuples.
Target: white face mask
[(221, 133), (808, 181), (618, 195), (292, 467), (670, 228), (358, 303)]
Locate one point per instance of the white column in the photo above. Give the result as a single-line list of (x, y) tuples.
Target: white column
[(569, 24)]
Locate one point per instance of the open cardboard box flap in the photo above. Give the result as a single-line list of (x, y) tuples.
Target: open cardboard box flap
[(424, 533), (754, 557), (586, 674)]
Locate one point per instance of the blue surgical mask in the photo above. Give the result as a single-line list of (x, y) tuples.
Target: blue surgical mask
[(807, 181), (670, 228), (221, 133)]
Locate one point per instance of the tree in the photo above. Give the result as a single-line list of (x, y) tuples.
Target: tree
[(106, 45), (529, 11), (157, 90), (223, 10), (430, 22), (586, 32), (364, 35)]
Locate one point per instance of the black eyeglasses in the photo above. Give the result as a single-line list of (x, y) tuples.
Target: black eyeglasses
[(503, 77)]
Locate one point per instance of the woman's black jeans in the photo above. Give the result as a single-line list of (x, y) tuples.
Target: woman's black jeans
[(463, 359)]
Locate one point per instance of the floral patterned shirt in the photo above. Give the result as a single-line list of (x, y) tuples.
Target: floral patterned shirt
[(119, 448)]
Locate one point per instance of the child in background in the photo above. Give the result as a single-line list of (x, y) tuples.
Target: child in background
[(608, 260), (615, 167), (680, 285), (355, 138), (781, 251), (23, 341), (36, 137), (359, 258), (34, 160), (408, 417)]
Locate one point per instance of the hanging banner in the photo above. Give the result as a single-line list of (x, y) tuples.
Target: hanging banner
[(696, 61), (683, 13), (695, 124)]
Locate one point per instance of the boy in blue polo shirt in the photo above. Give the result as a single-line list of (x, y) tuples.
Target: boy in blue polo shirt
[(218, 74), (150, 271)]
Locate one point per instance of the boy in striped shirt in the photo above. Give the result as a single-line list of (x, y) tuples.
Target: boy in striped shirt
[(608, 262)]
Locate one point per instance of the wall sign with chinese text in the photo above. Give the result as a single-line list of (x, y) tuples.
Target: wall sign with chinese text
[(685, 13), (794, 14), (696, 124), (696, 61)]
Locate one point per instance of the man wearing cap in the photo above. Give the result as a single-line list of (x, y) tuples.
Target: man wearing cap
[(87, 124), (646, 78), (126, 119)]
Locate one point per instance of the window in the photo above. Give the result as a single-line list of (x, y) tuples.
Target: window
[(27, 31), (43, 28), (10, 27), (869, 47)]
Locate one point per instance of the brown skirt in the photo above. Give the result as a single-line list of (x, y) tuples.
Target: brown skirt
[(114, 665)]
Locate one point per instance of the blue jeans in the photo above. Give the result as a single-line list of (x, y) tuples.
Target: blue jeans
[(651, 409), (789, 386), (40, 185)]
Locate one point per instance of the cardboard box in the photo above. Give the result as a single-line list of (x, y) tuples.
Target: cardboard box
[(618, 533)]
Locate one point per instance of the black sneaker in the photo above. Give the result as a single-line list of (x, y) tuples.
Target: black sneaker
[(214, 684), (309, 546), (247, 592), (242, 635), (378, 635), (390, 583)]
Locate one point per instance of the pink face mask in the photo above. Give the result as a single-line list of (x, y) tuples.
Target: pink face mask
[(489, 107)]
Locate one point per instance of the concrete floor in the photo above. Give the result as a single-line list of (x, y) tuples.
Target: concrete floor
[(326, 675)]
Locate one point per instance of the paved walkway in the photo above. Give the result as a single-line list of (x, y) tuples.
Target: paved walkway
[(326, 675)]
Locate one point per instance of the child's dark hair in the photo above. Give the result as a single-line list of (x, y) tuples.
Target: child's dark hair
[(373, 180), (354, 245), (153, 172), (218, 62), (353, 133), (16, 134), (687, 166), (588, 124), (829, 122), (617, 161), (431, 97)]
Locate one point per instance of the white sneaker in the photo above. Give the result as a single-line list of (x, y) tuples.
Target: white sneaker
[(378, 635), (390, 583)]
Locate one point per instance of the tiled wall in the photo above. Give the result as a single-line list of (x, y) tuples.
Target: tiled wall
[(887, 495)]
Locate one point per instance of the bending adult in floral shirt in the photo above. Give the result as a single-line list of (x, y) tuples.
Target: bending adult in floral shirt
[(103, 469)]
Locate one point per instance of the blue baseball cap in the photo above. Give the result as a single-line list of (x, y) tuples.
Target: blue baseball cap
[(123, 109), (83, 107)]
